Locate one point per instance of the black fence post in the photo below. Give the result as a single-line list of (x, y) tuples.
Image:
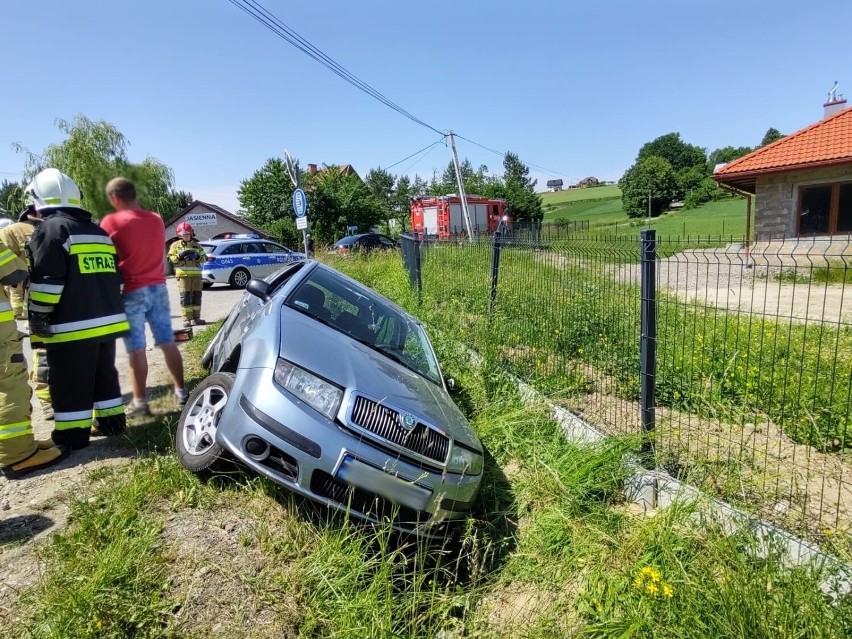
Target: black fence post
[(495, 266), (411, 259), (648, 345)]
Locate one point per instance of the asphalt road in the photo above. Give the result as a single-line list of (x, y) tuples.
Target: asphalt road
[(216, 303)]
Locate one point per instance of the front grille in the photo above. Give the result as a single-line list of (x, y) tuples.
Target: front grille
[(387, 424), (364, 502)]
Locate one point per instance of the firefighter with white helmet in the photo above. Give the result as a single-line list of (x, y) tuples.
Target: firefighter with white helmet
[(187, 256), (76, 307)]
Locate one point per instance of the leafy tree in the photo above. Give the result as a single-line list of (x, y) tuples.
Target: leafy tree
[(337, 200), (726, 154), (689, 179), (403, 192), (92, 154), (419, 187), (652, 177), (675, 151), (174, 202), (519, 190), (267, 196), (706, 191), (772, 134), (381, 186), (12, 200)]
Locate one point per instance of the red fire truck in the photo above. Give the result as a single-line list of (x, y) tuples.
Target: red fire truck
[(442, 216)]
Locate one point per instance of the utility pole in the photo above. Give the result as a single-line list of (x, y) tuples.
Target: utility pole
[(649, 205), (460, 181)]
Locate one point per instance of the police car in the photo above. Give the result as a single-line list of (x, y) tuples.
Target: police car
[(241, 257)]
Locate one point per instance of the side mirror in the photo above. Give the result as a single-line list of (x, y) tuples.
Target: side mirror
[(258, 288), (450, 382)]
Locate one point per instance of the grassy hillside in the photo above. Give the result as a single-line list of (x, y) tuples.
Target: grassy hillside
[(589, 193), (605, 215)]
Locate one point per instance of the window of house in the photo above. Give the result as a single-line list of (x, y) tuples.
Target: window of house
[(825, 209)]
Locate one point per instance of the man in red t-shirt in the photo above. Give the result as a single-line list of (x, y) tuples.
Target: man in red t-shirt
[(139, 237)]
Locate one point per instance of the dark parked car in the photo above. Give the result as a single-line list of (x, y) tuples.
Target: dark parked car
[(364, 242), (330, 389)]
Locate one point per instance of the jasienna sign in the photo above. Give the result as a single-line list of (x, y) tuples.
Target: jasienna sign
[(201, 219)]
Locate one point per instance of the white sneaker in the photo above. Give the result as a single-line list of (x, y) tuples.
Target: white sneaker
[(181, 395), (137, 408)]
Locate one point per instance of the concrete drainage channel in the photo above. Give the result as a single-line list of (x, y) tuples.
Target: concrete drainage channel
[(657, 489)]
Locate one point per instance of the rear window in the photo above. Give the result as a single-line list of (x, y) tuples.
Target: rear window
[(208, 248)]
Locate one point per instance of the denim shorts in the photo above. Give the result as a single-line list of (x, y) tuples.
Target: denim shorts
[(149, 303)]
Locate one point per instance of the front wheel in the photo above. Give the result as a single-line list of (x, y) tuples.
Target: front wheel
[(240, 277), (195, 435)]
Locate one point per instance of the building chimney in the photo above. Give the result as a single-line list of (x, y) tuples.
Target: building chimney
[(834, 104), (312, 168)]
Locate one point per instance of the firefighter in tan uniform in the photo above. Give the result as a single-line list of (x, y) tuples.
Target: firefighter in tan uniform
[(20, 453), (15, 237), (187, 255)]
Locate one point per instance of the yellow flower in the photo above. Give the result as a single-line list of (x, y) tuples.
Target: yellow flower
[(652, 588), (637, 583), (99, 624), (827, 532), (667, 591)]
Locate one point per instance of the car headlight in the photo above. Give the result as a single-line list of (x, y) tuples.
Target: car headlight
[(318, 393), (464, 461)]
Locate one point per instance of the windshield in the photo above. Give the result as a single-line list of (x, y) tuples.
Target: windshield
[(368, 318)]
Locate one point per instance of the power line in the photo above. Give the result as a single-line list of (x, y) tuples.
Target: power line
[(417, 161), (501, 154), (417, 153), (256, 11)]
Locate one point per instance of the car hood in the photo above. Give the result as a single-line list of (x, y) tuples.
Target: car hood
[(348, 363)]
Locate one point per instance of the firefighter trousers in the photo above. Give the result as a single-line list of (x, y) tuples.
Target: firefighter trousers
[(16, 432), (190, 296), (82, 379), (18, 299)]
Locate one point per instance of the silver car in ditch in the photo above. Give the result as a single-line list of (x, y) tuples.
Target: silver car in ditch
[(330, 389)]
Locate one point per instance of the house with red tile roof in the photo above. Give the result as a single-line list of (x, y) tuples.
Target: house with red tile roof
[(801, 184)]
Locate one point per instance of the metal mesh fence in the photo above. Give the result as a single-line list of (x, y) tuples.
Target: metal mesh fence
[(753, 374)]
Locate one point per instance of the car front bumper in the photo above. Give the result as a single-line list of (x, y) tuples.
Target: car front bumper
[(326, 462)]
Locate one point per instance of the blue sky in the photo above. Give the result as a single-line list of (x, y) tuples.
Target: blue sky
[(574, 87)]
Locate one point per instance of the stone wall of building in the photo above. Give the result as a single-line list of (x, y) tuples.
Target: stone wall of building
[(777, 198)]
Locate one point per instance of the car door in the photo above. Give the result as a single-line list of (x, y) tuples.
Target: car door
[(277, 255)]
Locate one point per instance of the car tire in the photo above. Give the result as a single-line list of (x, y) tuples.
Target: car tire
[(195, 435), (240, 277)]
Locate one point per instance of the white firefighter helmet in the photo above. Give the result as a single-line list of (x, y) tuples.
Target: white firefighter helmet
[(4, 222), (52, 189)]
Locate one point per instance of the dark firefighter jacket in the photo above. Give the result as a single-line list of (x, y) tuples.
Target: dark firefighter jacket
[(74, 277)]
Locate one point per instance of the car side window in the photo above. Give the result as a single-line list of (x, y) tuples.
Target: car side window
[(234, 249), (251, 247), (274, 248)]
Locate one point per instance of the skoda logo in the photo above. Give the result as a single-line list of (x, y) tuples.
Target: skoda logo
[(408, 421)]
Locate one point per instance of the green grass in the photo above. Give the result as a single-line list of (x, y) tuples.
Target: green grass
[(575, 195), (606, 217), (550, 551)]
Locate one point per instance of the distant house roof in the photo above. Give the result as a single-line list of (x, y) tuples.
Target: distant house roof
[(220, 211), (554, 183), (823, 143)]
